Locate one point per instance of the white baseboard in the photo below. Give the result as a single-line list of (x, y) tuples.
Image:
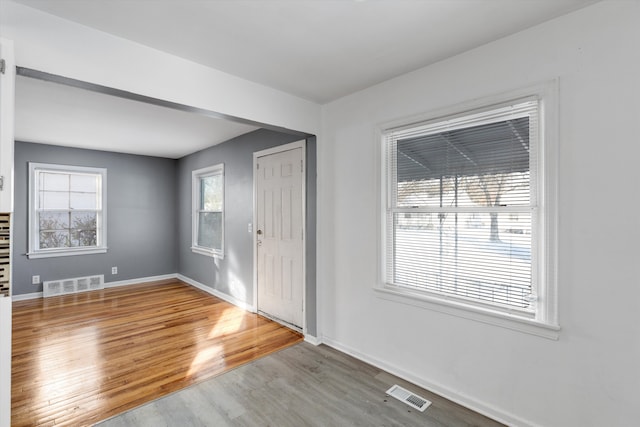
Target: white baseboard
[(228, 298), (24, 297), (453, 395), (238, 303), (312, 340), (140, 280), (216, 293), (35, 295)]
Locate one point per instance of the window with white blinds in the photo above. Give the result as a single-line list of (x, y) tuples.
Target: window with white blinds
[(462, 210)]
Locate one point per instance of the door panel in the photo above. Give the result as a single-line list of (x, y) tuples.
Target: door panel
[(279, 226)]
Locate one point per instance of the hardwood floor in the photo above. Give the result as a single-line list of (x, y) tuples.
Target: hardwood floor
[(300, 386), (79, 359)]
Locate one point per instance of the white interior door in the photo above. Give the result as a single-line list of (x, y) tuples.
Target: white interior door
[(279, 235)]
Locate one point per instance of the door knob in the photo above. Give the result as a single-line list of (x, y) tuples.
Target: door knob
[(259, 232)]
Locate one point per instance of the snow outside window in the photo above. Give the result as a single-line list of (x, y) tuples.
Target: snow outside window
[(464, 223)]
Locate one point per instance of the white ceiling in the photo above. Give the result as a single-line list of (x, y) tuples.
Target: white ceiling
[(51, 113), (316, 49), (320, 50)]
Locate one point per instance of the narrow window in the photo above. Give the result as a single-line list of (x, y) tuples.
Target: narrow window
[(67, 210), (208, 211)]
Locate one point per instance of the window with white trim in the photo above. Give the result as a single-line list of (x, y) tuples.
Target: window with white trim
[(464, 224), (67, 210), (208, 211)]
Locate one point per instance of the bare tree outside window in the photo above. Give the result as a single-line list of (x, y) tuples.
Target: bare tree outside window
[(488, 190), (63, 230), (459, 215), (67, 209)]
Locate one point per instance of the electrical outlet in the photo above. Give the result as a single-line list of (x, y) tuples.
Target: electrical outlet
[(114, 270), (35, 280)]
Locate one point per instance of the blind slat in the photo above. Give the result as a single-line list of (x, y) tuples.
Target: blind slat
[(470, 170)]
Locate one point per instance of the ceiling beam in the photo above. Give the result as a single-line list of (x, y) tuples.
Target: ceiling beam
[(67, 81)]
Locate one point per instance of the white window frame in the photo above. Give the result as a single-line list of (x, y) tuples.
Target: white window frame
[(196, 177), (544, 321), (101, 218)]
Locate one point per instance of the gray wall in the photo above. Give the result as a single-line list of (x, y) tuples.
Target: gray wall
[(141, 215), (233, 275), (149, 217)]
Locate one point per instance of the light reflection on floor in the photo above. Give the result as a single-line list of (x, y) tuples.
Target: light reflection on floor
[(229, 322), (75, 348)]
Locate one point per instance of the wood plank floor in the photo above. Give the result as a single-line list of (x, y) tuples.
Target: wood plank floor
[(79, 359), (300, 386)]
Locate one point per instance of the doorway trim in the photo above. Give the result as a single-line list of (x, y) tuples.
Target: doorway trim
[(256, 155)]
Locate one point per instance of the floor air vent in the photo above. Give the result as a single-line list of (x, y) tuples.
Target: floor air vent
[(72, 286), (409, 398)]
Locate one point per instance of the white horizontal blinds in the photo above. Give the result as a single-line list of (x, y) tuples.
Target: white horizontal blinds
[(392, 197), (461, 206), (452, 254), (68, 191)]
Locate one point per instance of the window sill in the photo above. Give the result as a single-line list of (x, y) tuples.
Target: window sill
[(470, 312), (67, 252), (207, 252)]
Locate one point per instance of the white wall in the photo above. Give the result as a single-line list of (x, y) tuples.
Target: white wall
[(47, 43), (591, 375)]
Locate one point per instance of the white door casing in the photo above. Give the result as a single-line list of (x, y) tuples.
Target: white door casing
[(7, 88), (279, 232), (7, 95)]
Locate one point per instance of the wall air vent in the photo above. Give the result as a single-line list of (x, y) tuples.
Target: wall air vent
[(409, 398), (72, 286)]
